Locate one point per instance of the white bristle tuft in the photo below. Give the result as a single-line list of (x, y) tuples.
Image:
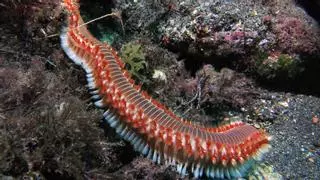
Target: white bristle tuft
[(95, 92), (99, 104), (120, 128), (212, 172), (184, 169), (159, 158), (107, 113), (137, 143), (154, 157), (132, 135), (134, 140), (126, 136), (124, 131), (201, 171), (179, 168), (91, 85), (150, 154), (114, 123), (66, 47), (145, 150), (95, 97), (89, 75), (196, 171), (227, 174), (141, 146)]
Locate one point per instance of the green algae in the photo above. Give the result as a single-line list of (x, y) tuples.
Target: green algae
[(133, 55)]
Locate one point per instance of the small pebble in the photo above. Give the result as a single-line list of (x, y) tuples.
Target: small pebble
[(311, 160), (257, 126), (315, 119), (284, 104), (226, 119)]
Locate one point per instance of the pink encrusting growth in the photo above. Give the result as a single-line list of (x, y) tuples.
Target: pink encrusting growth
[(227, 151)]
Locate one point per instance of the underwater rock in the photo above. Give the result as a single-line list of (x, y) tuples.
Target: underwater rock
[(245, 33), (264, 171)]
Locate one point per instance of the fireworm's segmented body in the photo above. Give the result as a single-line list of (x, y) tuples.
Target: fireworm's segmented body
[(227, 151)]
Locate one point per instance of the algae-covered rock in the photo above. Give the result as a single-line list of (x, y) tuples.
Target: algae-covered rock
[(277, 65), (11, 162), (232, 34), (264, 172)]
